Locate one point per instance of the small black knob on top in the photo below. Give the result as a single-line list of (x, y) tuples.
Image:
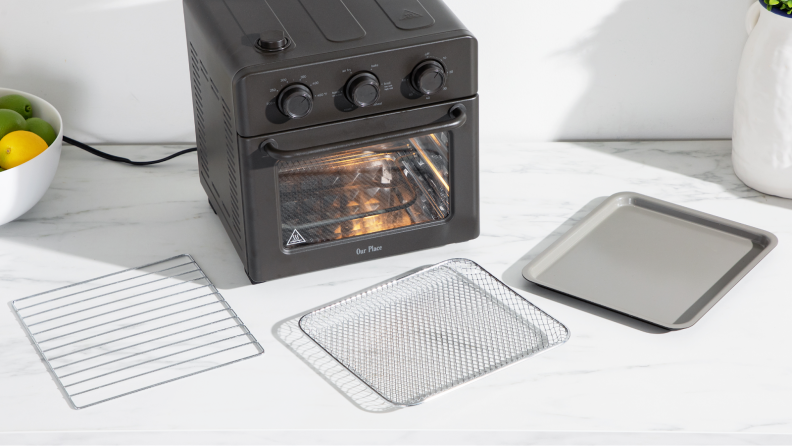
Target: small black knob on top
[(363, 89), (273, 40), (295, 101), (428, 77)]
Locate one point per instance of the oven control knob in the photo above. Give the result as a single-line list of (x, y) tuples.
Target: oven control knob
[(363, 89), (272, 41), (428, 77), (295, 101)]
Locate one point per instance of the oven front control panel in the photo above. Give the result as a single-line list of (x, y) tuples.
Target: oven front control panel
[(318, 93), (362, 90)]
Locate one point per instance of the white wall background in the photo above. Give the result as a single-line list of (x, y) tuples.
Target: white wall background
[(603, 69)]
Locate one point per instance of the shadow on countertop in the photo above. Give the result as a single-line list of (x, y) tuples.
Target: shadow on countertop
[(701, 148), (514, 278), (289, 333), (708, 161), (117, 216)]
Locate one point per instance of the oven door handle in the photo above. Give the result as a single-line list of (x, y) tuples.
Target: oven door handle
[(457, 113)]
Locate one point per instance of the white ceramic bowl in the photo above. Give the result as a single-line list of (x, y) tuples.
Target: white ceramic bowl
[(23, 186)]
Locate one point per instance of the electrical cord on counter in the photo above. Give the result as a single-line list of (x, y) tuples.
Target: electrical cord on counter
[(119, 159)]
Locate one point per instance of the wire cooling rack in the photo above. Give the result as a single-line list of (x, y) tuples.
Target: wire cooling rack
[(418, 336), (132, 330)]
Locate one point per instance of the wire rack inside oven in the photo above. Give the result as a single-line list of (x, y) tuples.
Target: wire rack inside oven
[(418, 336), (362, 191), (125, 332)]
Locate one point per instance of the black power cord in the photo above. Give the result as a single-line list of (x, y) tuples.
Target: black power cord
[(119, 159)]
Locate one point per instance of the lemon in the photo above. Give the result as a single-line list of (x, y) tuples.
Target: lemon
[(20, 147)]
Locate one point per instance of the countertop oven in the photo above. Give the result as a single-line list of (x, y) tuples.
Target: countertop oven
[(332, 132)]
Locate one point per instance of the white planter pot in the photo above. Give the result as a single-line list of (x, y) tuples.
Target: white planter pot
[(762, 138)]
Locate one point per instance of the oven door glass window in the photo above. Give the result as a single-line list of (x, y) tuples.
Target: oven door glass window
[(364, 191)]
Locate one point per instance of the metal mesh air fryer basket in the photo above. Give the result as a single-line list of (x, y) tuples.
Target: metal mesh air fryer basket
[(418, 336)]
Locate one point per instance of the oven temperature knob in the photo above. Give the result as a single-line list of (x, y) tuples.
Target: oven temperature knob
[(428, 77), (295, 101), (363, 89)]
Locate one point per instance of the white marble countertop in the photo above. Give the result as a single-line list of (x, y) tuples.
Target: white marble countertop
[(726, 380)]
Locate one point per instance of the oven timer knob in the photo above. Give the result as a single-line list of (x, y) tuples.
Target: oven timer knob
[(363, 89), (428, 77), (295, 101)]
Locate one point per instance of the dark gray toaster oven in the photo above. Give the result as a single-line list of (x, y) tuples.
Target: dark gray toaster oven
[(331, 132)]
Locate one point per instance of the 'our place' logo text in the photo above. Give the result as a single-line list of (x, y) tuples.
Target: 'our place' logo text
[(360, 251)]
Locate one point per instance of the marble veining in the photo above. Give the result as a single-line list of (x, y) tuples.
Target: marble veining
[(725, 380)]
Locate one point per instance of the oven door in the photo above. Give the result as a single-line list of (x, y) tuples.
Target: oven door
[(373, 187)]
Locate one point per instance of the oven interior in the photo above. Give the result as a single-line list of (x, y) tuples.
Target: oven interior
[(364, 190)]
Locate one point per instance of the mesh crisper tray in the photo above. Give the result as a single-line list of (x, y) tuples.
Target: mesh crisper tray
[(135, 329), (415, 337)]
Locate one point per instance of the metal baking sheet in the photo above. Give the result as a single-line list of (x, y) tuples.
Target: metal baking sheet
[(650, 259)]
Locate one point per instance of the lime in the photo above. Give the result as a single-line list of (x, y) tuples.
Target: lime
[(20, 147), (17, 103), (10, 121), (41, 128)]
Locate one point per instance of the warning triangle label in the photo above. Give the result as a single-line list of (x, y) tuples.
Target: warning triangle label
[(295, 238), (410, 15)]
